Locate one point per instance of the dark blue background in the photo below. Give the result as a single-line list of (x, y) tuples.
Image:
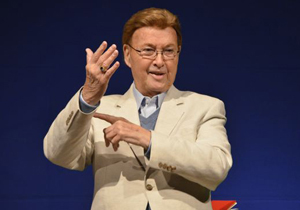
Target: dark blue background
[(246, 53)]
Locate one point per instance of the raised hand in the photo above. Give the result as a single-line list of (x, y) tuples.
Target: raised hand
[(123, 130), (96, 80)]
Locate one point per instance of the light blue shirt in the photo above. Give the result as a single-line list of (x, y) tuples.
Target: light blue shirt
[(158, 99), (143, 103), (84, 106)]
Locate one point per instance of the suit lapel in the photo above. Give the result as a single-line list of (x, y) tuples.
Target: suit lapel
[(170, 112), (169, 115), (126, 107)]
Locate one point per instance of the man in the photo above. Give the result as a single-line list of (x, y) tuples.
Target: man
[(154, 147)]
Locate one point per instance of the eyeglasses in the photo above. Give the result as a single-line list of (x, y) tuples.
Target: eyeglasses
[(151, 53)]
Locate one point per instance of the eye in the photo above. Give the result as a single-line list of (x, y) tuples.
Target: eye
[(148, 50), (169, 50)]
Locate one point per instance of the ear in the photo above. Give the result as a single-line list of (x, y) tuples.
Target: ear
[(179, 48), (126, 53)]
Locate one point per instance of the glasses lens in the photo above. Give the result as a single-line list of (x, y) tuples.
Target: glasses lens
[(169, 53), (150, 53)]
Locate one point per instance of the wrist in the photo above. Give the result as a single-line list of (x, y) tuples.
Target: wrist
[(84, 106), (91, 97)]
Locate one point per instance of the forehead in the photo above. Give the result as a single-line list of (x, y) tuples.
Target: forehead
[(154, 36)]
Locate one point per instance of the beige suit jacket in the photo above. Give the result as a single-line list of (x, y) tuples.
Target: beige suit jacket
[(190, 154)]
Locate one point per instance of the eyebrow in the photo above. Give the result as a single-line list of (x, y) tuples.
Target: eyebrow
[(152, 45)]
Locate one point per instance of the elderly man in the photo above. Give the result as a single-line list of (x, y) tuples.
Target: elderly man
[(154, 147)]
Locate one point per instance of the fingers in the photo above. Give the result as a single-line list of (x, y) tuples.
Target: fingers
[(109, 118), (89, 54), (112, 70), (99, 52), (107, 142), (105, 58), (101, 58), (115, 146), (107, 61), (108, 57), (111, 138), (119, 130)]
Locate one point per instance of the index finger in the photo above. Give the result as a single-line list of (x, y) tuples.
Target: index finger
[(108, 118)]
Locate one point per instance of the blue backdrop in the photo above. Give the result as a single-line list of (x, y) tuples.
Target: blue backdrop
[(246, 53)]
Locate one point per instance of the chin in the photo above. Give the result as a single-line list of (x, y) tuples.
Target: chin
[(157, 89)]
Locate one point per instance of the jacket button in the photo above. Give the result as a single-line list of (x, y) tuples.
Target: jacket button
[(149, 187), (165, 166), (160, 165)]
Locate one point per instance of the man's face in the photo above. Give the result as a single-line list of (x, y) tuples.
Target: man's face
[(152, 77)]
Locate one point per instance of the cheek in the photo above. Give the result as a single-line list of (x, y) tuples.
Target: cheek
[(140, 64), (139, 70), (172, 71)]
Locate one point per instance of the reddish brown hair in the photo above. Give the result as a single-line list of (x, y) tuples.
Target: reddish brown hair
[(153, 17)]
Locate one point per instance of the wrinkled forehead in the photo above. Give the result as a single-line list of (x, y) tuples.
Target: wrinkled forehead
[(154, 36)]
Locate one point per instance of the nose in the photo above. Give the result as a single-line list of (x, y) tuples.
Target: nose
[(159, 60)]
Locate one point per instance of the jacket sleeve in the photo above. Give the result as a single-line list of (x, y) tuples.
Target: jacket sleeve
[(197, 149), (68, 142)]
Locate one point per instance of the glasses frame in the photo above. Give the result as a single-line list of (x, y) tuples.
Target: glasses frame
[(156, 53)]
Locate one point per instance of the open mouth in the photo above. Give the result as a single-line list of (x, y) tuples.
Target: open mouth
[(156, 73)]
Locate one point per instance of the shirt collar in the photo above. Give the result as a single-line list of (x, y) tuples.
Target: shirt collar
[(139, 97)]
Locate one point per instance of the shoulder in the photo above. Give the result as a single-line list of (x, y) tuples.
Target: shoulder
[(197, 103), (196, 98)]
